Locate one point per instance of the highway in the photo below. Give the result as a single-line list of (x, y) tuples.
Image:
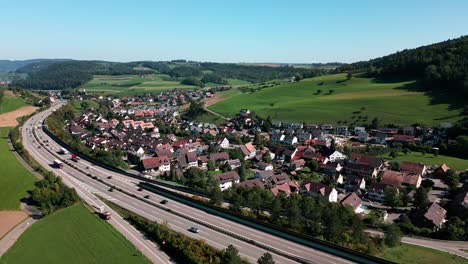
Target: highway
[(88, 188)]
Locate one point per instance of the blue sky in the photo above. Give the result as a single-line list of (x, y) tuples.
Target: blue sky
[(225, 31)]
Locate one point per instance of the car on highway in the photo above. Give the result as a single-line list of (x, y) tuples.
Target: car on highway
[(87, 167), (194, 229), (140, 189), (111, 189), (164, 201), (147, 196), (109, 177)]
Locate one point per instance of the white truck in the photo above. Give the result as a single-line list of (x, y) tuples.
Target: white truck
[(63, 151)]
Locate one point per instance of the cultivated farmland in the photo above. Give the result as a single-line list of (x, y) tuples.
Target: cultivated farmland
[(333, 99), (72, 235)]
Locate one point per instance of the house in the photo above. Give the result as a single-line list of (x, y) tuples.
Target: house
[(342, 130), (362, 136), (412, 167), (192, 159), (361, 170), (361, 159), (287, 188), (248, 150), (331, 168), (277, 138), (233, 164), (435, 216), (298, 164), (219, 157), (264, 176), (290, 140), (321, 190), (252, 184), (223, 143), (156, 164), (354, 183), (264, 166), (227, 179), (440, 171), (397, 179), (278, 179), (336, 156), (376, 192), (359, 129), (354, 201), (403, 138)]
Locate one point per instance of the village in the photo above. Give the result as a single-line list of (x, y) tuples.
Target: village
[(324, 161)]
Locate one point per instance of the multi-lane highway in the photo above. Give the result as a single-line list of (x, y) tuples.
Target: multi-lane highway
[(88, 188)]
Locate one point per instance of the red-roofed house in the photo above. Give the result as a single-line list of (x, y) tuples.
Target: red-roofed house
[(318, 189)]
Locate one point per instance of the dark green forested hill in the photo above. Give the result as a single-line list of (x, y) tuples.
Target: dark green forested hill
[(67, 74), (443, 65)]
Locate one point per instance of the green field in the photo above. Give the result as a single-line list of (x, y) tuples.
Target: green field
[(131, 84), (352, 102), (9, 104), (72, 235), (15, 180), (430, 159), (209, 118), (420, 255)]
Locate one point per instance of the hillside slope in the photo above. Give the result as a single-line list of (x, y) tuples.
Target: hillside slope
[(352, 102)]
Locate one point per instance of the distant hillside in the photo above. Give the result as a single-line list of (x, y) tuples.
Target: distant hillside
[(55, 75), (442, 65), (333, 99), (72, 73), (13, 65)]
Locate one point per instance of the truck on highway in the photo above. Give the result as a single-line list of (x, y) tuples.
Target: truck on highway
[(75, 158), (104, 214), (63, 151), (58, 164)]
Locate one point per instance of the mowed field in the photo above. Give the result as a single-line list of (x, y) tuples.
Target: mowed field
[(131, 84), (430, 159), (420, 255), (15, 180), (72, 235), (352, 102), (10, 103)]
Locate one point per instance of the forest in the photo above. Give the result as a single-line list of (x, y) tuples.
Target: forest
[(441, 66)]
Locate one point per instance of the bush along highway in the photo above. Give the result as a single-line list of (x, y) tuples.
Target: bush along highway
[(180, 247)]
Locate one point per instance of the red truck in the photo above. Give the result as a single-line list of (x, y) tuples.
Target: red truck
[(104, 214), (75, 158), (58, 164)]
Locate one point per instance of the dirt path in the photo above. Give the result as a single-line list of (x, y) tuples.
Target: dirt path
[(10, 219), (9, 119), (213, 100)]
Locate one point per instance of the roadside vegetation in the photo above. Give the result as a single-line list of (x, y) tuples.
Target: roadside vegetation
[(406, 253), (181, 248), (15, 180), (72, 235)]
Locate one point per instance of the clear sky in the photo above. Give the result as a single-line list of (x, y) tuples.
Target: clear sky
[(225, 30)]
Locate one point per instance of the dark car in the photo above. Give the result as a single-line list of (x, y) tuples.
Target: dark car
[(109, 177), (147, 196), (194, 229), (164, 201), (140, 189)]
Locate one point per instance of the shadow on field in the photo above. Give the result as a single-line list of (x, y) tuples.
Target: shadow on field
[(436, 96)]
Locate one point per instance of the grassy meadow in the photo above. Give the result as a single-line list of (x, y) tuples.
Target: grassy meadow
[(351, 102), (131, 84), (15, 180), (8, 104), (72, 235), (430, 159), (420, 255)]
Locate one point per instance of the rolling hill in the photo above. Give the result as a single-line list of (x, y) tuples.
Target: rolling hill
[(351, 102)]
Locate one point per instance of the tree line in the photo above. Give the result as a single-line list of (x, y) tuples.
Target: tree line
[(441, 66)]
